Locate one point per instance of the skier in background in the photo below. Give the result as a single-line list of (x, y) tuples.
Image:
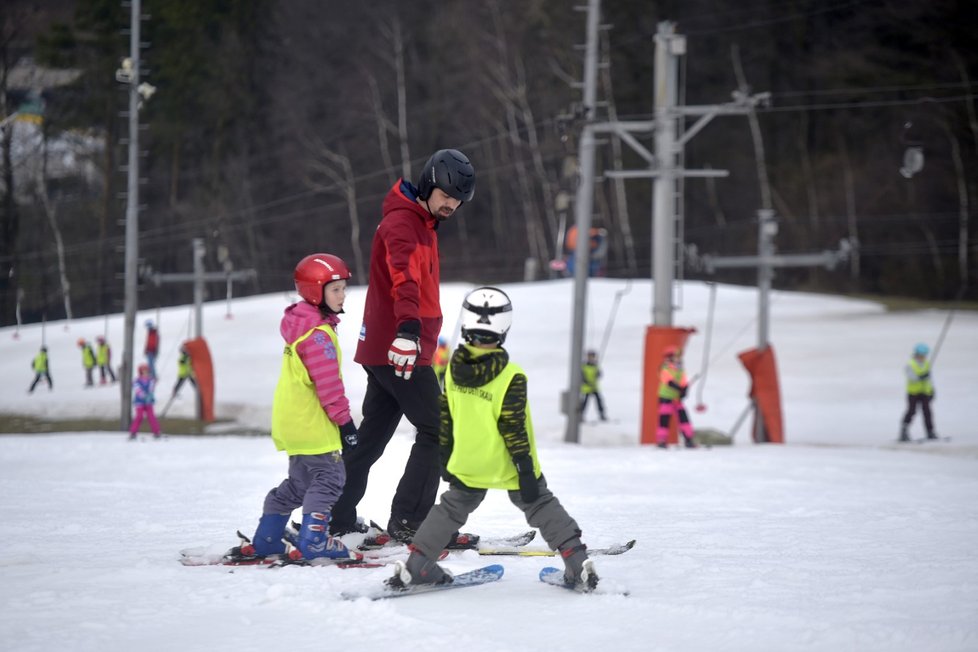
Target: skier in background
[(920, 391), (486, 442), (152, 347), (672, 390), (310, 418), (103, 356), (185, 370), (88, 361), (41, 367), (439, 361), (143, 399), (590, 373)]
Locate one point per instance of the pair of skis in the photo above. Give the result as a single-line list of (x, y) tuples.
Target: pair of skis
[(485, 575)]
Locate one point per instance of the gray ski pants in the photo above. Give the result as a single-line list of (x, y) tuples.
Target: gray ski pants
[(450, 514), (314, 482)]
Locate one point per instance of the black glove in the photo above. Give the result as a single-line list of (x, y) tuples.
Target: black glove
[(682, 392), (348, 432), (529, 485), (924, 376)]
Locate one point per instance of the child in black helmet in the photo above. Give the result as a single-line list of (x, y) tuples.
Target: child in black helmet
[(487, 442)]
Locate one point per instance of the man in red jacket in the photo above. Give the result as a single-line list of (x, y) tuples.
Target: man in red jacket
[(401, 323)]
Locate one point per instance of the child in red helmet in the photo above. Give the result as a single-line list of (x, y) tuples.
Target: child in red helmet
[(143, 400), (310, 419), (672, 390)]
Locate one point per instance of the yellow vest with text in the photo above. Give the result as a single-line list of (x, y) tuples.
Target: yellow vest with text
[(918, 387), (300, 425), (480, 458)]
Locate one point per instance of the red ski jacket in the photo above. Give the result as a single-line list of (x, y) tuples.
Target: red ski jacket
[(404, 277)]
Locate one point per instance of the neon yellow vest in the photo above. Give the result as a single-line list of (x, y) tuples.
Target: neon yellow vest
[(667, 373), (480, 458), (41, 362), (300, 425), (917, 387), (590, 373)]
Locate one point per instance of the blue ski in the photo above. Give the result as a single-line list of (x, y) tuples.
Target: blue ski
[(483, 575)]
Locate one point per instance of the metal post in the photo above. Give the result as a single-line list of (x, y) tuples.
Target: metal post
[(132, 220), (198, 286), (582, 212), (766, 229), (664, 184)]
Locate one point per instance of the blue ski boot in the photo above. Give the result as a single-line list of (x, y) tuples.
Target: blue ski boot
[(314, 540), (268, 537)]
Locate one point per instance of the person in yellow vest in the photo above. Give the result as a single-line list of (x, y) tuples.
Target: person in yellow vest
[(310, 419), (486, 442), (185, 370), (920, 392), (41, 367), (439, 361), (672, 390), (88, 361), (103, 357), (590, 373)]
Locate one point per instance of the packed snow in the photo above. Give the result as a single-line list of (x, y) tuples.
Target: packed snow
[(841, 539)]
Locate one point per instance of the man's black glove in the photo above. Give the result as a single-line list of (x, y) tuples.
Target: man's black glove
[(529, 485), (924, 376), (348, 432)]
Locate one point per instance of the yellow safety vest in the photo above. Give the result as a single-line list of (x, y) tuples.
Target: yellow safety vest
[(590, 373), (41, 362), (300, 425), (674, 374), (480, 458), (917, 386)]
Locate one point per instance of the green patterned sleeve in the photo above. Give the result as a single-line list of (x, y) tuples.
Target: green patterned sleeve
[(512, 418)]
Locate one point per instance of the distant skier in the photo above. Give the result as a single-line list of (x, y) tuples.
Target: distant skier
[(310, 417), (672, 390), (590, 373), (88, 361), (41, 367), (920, 391), (103, 356), (486, 442), (152, 348), (439, 361), (185, 370), (143, 399)]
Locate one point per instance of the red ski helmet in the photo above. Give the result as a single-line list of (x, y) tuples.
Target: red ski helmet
[(316, 270), (671, 352), (142, 369)]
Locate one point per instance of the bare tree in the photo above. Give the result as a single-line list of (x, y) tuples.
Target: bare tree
[(335, 167)]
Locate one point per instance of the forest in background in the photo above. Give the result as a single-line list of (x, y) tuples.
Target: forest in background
[(277, 128)]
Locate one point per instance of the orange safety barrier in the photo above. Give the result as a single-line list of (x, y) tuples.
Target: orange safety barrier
[(765, 392), (657, 338), (200, 360)]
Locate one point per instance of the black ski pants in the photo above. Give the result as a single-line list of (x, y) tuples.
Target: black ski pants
[(386, 400), (923, 400)]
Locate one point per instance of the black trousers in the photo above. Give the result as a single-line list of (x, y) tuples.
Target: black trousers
[(386, 400), (37, 379), (913, 400)]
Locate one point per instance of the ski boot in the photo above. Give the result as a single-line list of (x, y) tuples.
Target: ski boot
[(267, 541), (418, 569), (314, 540), (578, 569), (904, 434)]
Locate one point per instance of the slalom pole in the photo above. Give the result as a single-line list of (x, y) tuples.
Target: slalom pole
[(700, 405)]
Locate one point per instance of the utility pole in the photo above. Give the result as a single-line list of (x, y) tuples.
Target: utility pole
[(199, 277), (664, 167), (766, 261), (129, 74), (582, 212)]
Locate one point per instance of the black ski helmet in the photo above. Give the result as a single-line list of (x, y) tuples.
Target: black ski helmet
[(450, 170)]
